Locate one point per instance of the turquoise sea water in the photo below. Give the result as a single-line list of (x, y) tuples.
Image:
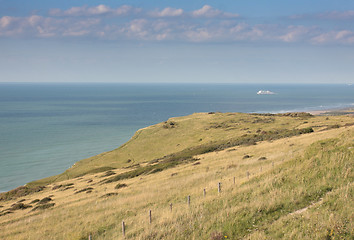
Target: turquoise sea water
[(45, 128)]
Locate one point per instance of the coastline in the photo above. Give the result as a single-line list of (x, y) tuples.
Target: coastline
[(319, 112), (46, 128), (332, 111)]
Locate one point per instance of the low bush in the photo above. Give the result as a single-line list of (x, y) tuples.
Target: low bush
[(43, 206), (20, 192), (120, 185)]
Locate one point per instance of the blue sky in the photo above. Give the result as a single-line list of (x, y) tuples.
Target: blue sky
[(220, 41)]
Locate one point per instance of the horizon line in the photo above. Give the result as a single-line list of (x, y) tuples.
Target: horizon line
[(186, 83)]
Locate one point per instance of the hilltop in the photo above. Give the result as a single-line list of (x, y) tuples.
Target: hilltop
[(282, 176)]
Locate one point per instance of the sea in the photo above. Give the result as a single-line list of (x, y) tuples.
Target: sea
[(46, 127)]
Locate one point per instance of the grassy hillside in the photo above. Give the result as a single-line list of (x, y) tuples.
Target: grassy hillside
[(209, 130), (278, 181)]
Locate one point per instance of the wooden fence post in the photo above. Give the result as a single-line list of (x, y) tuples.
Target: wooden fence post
[(204, 192), (189, 200), (150, 216), (123, 228), (171, 206), (234, 180), (219, 187)]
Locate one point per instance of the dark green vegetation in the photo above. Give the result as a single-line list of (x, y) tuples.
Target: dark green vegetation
[(18, 206), (62, 186), (109, 195), (20, 192), (40, 204), (43, 206), (84, 190), (120, 185)]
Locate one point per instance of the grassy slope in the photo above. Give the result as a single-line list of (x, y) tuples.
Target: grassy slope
[(162, 139), (302, 190)]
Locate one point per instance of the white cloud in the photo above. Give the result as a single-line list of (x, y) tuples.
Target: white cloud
[(84, 11), (138, 25), (296, 33), (75, 33), (165, 29), (5, 21), (160, 25), (94, 11), (332, 15), (100, 9), (38, 26), (249, 33), (238, 28), (198, 35), (343, 36), (169, 24), (34, 20), (209, 12), (336, 15), (151, 30), (168, 12)]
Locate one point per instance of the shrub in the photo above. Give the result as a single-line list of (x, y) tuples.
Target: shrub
[(45, 200), (120, 185), (18, 206), (109, 195), (43, 206), (20, 192), (108, 173), (84, 190)]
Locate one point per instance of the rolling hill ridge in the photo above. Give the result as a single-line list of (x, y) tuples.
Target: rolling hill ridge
[(247, 176)]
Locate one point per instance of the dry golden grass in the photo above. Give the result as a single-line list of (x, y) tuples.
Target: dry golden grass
[(75, 216)]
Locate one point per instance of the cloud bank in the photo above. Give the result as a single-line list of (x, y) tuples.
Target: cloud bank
[(94, 11), (206, 24)]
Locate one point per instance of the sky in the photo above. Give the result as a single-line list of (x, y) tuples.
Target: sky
[(165, 41)]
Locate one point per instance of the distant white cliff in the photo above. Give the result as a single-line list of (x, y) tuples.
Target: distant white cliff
[(265, 92)]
